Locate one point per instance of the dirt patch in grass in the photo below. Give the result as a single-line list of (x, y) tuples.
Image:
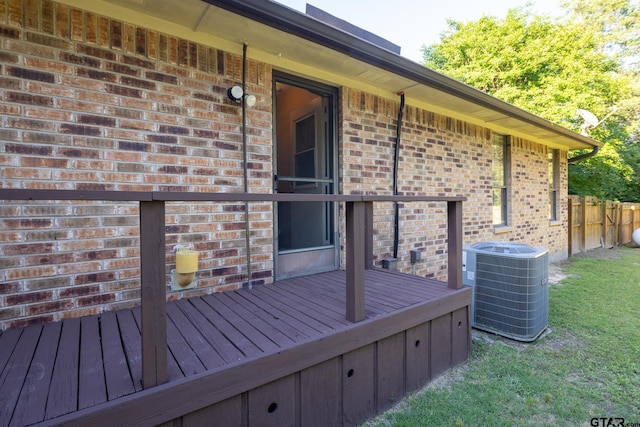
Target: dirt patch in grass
[(612, 253)]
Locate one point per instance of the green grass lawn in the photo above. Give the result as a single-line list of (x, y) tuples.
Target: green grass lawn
[(587, 367)]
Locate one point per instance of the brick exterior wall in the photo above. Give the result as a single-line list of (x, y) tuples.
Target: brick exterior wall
[(90, 102)]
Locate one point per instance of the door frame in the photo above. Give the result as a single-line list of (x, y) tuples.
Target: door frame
[(329, 93)]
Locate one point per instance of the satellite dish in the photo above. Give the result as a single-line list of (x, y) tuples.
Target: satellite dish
[(590, 121), (589, 118)]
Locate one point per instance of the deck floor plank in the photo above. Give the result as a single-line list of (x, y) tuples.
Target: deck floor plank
[(225, 348), (174, 370), (192, 336), (13, 376), (373, 306), (334, 282), (293, 310), (182, 352), (254, 335), (8, 342), (132, 343), (333, 305), (63, 393), (30, 407), (324, 290), (280, 319), (91, 382), (116, 369), (409, 285), (330, 319), (240, 340), (242, 308), (264, 315)]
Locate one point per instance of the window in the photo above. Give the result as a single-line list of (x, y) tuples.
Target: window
[(500, 179), (553, 184)]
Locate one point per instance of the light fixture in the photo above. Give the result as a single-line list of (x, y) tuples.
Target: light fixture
[(183, 277), (236, 94), (250, 100)]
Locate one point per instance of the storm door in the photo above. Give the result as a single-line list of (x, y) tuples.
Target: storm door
[(305, 157)]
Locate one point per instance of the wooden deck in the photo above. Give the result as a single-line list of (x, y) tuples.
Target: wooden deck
[(273, 355)]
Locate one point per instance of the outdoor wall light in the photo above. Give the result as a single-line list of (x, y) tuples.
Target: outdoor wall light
[(183, 277), (236, 94)]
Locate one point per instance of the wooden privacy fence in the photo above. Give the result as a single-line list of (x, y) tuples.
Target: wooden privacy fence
[(594, 223)]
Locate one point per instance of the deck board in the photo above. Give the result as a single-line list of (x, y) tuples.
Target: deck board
[(92, 387), (8, 342), (225, 348), (329, 318), (116, 371), (132, 344), (63, 393), (200, 346), (31, 404), (278, 318), (240, 341), (249, 331), (95, 360), (292, 309), (331, 305), (279, 328), (268, 330), (14, 374)]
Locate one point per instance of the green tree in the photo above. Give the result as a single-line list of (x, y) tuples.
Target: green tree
[(552, 68)]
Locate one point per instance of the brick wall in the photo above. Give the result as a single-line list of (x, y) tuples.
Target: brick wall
[(441, 156), (90, 102)]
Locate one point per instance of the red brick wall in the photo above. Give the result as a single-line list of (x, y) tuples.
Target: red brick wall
[(90, 102), (441, 156)]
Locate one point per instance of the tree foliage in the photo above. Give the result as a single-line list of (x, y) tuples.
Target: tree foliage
[(552, 67)]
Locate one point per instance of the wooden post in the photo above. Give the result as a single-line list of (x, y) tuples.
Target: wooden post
[(153, 298), (570, 227), (356, 225), (454, 224), (584, 224), (619, 226), (368, 235), (603, 232)]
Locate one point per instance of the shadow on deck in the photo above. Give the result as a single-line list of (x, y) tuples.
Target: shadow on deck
[(280, 354)]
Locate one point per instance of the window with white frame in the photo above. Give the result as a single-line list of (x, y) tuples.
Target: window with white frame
[(500, 179)]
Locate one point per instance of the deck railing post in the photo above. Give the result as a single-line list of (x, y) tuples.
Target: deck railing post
[(152, 297), (356, 259), (368, 235), (454, 223)]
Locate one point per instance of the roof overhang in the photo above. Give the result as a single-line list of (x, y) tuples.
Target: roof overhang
[(291, 41)]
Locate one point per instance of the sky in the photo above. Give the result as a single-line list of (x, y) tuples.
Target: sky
[(412, 23)]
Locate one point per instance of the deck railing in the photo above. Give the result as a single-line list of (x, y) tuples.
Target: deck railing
[(359, 250)]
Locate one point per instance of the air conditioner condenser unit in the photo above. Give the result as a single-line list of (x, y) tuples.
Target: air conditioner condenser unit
[(510, 284)]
